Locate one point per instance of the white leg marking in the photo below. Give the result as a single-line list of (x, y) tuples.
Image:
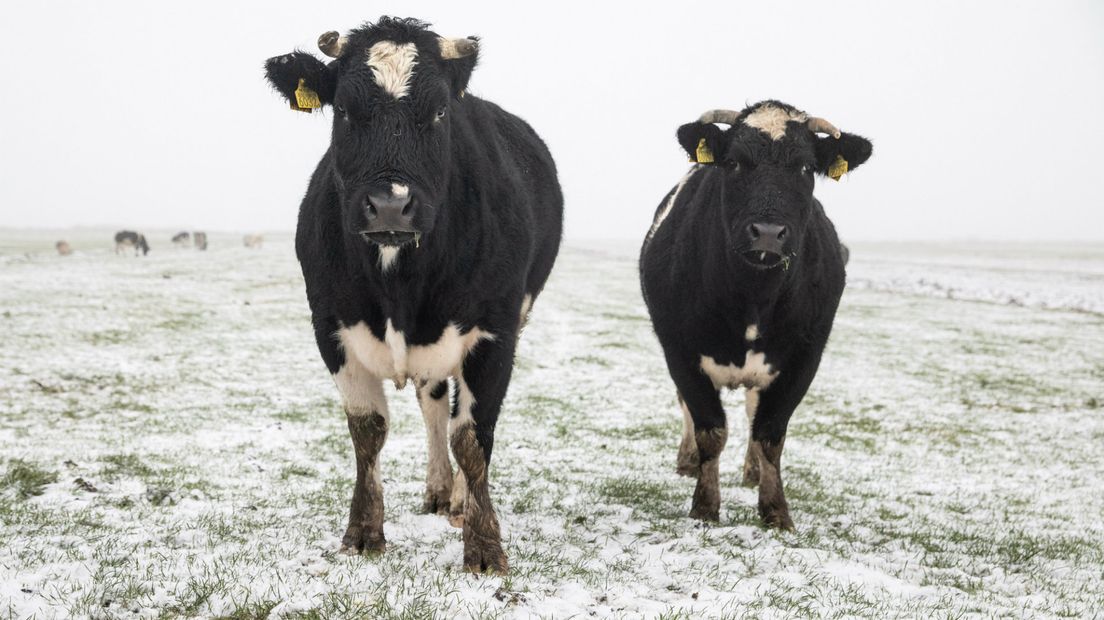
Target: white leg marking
[(436, 416), (687, 425), (671, 201), (523, 318), (392, 66), (464, 403), (361, 393)]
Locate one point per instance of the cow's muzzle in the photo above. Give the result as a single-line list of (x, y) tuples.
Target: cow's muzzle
[(390, 217), (766, 245)]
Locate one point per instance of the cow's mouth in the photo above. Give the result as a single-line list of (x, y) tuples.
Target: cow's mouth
[(762, 259), (395, 238)]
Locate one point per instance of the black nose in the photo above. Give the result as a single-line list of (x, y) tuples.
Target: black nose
[(766, 233), (765, 243), (390, 211)]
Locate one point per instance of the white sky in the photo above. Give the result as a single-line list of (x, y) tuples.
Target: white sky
[(984, 115)]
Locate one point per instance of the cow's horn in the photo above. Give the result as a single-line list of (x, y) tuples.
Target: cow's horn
[(457, 48), (332, 43), (819, 125), (728, 117)]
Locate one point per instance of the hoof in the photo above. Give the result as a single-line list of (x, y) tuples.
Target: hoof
[(357, 541), (712, 515), (456, 519), (778, 519), (436, 502), (486, 559)]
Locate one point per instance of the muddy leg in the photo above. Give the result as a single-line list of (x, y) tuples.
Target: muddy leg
[(773, 508), (459, 499), (433, 399), (482, 536), (688, 463), (366, 412), (707, 493), (751, 459)]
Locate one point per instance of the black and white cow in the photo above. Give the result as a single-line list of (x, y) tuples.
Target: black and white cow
[(742, 273), (199, 239), (126, 239), (182, 239), (428, 229)]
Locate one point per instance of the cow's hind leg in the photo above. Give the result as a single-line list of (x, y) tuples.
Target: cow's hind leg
[(751, 457), (433, 398), (688, 463), (481, 389), (366, 412)]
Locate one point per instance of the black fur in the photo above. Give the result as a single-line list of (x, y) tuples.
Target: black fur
[(129, 237), (489, 209), (702, 293)]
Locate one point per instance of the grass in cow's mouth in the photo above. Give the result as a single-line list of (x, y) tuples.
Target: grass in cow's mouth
[(392, 238), (762, 259)]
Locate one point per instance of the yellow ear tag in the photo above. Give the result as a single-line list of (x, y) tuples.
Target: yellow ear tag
[(305, 98), (838, 168), (703, 154)]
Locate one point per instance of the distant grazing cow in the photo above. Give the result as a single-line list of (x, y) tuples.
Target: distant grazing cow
[(63, 248), (253, 241), (742, 273), (126, 239), (181, 238), (427, 231), (200, 240)]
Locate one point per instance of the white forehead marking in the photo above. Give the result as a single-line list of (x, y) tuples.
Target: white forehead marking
[(392, 65), (398, 190), (772, 120)]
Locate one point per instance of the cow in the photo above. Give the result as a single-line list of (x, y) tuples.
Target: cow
[(253, 241), (200, 240), (742, 273), (181, 239), (63, 248), (428, 230), (126, 239)]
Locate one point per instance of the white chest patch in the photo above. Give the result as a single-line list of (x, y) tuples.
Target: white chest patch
[(394, 359), (755, 373), (392, 66), (387, 257), (772, 120)]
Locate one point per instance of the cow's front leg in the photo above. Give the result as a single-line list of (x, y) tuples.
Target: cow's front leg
[(366, 412), (702, 403), (481, 389), (433, 398)]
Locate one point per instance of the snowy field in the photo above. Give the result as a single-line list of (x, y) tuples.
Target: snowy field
[(171, 446)]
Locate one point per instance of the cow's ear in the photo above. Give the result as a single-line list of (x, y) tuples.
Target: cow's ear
[(459, 57), (836, 156), (705, 143), (306, 82)]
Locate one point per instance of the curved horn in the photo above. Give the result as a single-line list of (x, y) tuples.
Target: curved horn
[(728, 117), (332, 43), (452, 49), (819, 125)]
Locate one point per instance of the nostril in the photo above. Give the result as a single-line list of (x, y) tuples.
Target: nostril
[(753, 230), (406, 209)]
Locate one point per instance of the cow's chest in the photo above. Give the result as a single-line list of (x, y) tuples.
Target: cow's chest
[(393, 358), (755, 372)]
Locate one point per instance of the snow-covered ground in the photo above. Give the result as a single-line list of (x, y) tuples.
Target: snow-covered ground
[(171, 446)]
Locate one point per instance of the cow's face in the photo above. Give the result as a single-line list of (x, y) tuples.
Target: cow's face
[(765, 163), (390, 88)]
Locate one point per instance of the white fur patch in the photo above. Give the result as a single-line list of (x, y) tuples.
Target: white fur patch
[(752, 333), (755, 373), (526, 304), (398, 190), (772, 120), (687, 423), (387, 257), (465, 400), (392, 66), (671, 201), (435, 412), (423, 363), (361, 393)]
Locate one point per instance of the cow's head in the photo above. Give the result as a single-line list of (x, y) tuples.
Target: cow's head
[(765, 163), (390, 87)]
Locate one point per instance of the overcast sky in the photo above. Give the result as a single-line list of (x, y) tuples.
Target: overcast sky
[(985, 116)]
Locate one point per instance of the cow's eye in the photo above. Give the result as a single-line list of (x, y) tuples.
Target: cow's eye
[(731, 164), (341, 111), (440, 114)]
